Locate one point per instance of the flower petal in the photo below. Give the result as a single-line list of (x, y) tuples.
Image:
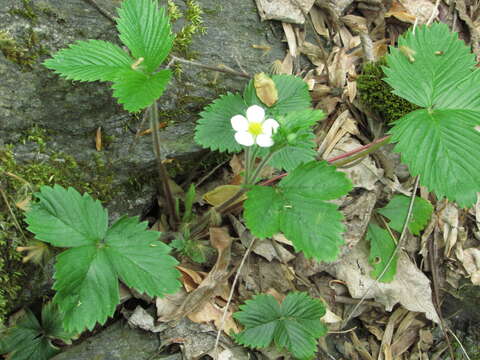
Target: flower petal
[(263, 140), (255, 113), (270, 127), (239, 123), (244, 138)]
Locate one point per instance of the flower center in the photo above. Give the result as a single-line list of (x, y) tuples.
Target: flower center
[(255, 128)]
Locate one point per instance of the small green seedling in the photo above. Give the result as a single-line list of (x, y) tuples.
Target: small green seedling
[(294, 324), (30, 338)]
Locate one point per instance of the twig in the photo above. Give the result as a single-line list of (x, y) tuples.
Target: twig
[(222, 69), (230, 296), (101, 10), (395, 252)]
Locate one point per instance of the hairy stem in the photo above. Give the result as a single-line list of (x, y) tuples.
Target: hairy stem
[(162, 171)]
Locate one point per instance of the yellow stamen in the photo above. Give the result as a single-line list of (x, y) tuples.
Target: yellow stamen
[(255, 128)]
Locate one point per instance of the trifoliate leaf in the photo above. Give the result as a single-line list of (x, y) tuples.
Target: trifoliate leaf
[(298, 207), (397, 209), (294, 325), (214, 129), (439, 143), (136, 90), (145, 29), (29, 339), (381, 249), (86, 275), (90, 60), (292, 92)]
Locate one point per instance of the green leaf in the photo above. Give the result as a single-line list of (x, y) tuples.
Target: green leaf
[(381, 249), (214, 130), (439, 143), (295, 129), (397, 209), (56, 221), (442, 146), (298, 207), (137, 262), (441, 60), (145, 29), (136, 90), (90, 60), (292, 91), (29, 339), (81, 274), (98, 257), (294, 325)]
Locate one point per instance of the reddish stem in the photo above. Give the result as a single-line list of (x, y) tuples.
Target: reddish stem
[(336, 158)]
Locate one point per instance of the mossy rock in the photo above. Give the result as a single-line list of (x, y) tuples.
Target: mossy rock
[(377, 95)]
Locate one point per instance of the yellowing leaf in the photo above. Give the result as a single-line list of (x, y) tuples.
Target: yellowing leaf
[(221, 194)]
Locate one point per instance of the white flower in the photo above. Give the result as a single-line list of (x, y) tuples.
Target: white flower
[(254, 129)]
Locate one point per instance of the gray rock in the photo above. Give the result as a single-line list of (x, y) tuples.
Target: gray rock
[(117, 342), (71, 112)]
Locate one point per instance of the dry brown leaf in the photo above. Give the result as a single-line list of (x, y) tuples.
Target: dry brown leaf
[(411, 288), (212, 284), (319, 21), (210, 312), (191, 278), (357, 24), (449, 223), (400, 12), (313, 53), (413, 10)]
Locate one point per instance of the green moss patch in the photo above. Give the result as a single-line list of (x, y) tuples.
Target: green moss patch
[(377, 95)]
